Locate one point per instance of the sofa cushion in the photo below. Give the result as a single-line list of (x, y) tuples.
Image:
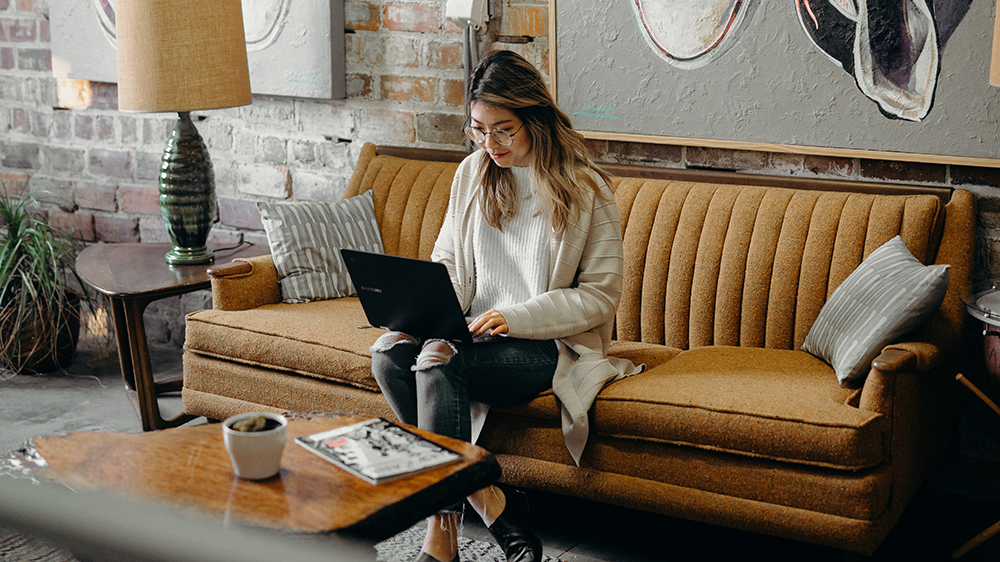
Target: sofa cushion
[(861, 494), (306, 238), (889, 294), (219, 389), (320, 339), (641, 353), (777, 404)]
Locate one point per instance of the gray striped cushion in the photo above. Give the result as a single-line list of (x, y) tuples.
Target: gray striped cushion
[(306, 238), (889, 294)]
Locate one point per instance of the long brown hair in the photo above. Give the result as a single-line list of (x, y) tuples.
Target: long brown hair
[(559, 159)]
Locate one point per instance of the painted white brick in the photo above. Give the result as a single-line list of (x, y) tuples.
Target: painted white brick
[(147, 165), (268, 112), (317, 186), (153, 230), (218, 135), (227, 177), (338, 156), (265, 181), (244, 142), (383, 126), (333, 120)]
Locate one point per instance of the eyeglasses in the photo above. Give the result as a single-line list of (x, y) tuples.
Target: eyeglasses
[(499, 136)]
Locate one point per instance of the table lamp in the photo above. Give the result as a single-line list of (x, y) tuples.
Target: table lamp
[(182, 56)]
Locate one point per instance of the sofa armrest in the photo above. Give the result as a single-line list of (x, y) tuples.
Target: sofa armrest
[(245, 283), (918, 406), (898, 359), (231, 269), (894, 360), (908, 356)]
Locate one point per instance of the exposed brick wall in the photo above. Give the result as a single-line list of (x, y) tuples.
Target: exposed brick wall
[(405, 86)]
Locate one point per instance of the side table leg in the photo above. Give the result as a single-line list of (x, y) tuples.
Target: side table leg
[(144, 391), (976, 541), (124, 346)]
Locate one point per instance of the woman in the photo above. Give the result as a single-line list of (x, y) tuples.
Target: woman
[(533, 245)]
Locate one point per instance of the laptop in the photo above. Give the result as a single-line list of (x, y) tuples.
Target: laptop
[(407, 295)]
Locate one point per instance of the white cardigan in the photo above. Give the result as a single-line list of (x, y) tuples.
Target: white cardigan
[(578, 310)]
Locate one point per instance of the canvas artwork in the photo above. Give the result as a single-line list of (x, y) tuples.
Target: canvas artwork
[(83, 39), (891, 48), (291, 49), (691, 34), (891, 77)]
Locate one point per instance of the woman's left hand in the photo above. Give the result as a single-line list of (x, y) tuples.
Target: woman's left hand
[(490, 321)]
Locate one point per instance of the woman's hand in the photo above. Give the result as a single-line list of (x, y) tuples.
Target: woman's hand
[(490, 321)]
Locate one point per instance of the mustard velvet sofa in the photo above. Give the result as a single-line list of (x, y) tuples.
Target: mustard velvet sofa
[(731, 423)]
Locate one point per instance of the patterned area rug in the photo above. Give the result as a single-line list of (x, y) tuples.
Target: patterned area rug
[(405, 546), (15, 547)]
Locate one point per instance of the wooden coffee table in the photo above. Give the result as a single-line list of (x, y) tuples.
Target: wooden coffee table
[(188, 467)]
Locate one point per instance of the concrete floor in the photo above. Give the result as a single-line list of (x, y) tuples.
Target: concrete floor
[(959, 501)]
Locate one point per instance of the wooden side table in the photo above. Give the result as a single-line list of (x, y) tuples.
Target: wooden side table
[(132, 276)]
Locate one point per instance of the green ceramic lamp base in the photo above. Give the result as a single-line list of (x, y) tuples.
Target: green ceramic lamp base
[(190, 256), (187, 194)]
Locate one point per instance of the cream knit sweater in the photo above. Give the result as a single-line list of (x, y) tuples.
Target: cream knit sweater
[(579, 308), (520, 254)]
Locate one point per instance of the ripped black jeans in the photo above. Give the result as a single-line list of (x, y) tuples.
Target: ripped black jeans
[(430, 383)]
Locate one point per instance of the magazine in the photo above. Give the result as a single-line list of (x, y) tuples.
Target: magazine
[(377, 450)]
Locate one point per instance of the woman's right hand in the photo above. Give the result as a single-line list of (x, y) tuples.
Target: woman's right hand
[(490, 321)]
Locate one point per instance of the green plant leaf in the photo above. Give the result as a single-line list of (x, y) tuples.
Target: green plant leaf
[(38, 282)]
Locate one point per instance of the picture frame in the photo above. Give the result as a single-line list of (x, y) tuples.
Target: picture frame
[(292, 49), (773, 90)]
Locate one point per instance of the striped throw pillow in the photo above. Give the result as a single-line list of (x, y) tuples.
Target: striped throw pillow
[(889, 294), (306, 238)]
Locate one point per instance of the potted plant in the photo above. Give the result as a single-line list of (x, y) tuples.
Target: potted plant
[(40, 292)]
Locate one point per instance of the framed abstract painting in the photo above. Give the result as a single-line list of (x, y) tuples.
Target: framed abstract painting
[(901, 80), (290, 47)]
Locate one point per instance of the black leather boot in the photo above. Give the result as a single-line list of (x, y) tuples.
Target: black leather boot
[(424, 557), (511, 531)]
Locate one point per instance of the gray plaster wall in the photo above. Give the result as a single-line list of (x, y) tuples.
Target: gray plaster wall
[(773, 86)]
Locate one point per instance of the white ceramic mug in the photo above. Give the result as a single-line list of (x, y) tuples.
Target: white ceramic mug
[(256, 455)]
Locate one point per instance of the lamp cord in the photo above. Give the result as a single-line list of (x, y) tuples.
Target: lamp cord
[(240, 245)]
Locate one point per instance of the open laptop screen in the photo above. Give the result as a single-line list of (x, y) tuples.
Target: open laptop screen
[(407, 295)]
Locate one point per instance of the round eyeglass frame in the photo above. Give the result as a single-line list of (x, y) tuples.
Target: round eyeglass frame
[(500, 136)]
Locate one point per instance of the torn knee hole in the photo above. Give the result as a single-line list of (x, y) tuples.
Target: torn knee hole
[(434, 354), (389, 340)]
